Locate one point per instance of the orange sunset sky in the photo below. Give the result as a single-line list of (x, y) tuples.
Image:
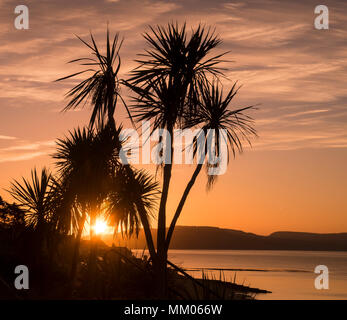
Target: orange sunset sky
[(293, 178)]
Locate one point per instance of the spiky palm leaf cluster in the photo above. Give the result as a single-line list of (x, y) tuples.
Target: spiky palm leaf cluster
[(214, 113), (133, 190), (166, 82), (87, 159), (32, 196), (102, 88)]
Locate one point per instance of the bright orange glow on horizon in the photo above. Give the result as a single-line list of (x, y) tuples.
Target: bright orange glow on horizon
[(100, 227)]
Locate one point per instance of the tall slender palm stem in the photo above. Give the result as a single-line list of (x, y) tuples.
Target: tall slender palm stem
[(163, 201), (147, 230), (181, 205), (161, 233)]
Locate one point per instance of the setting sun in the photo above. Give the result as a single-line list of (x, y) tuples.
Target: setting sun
[(100, 227)]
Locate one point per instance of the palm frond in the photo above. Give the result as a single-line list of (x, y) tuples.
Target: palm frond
[(32, 194), (102, 88), (214, 113), (166, 81), (87, 159), (132, 190)]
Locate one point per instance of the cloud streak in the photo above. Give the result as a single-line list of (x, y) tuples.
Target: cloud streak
[(23, 150), (282, 61), (7, 138)]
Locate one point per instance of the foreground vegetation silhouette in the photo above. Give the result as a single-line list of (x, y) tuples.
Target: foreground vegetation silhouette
[(177, 84)]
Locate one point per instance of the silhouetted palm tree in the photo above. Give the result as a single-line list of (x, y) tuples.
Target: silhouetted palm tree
[(32, 196), (86, 161), (103, 86), (167, 84), (175, 87)]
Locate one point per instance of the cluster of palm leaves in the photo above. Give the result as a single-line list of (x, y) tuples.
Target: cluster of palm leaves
[(177, 84)]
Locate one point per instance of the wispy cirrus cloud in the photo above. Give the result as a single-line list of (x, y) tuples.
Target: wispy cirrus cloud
[(24, 150), (21, 157), (7, 138)]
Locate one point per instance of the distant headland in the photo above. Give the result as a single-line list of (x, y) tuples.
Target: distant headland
[(213, 238)]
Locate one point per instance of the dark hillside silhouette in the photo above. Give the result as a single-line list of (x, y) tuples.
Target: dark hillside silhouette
[(211, 238)]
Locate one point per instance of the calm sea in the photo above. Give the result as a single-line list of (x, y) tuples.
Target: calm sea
[(287, 274)]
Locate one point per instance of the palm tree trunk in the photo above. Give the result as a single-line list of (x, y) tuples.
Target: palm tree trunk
[(161, 233), (147, 230), (181, 204)]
